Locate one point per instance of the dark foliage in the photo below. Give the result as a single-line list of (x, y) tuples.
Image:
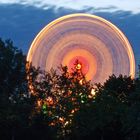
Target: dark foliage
[(64, 105)]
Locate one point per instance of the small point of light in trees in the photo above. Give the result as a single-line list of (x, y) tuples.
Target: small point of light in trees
[(50, 100), (66, 123), (61, 119), (30, 86), (31, 89), (78, 66), (72, 111), (82, 101), (52, 124), (73, 99), (44, 107), (39, 103), (93, 93), (81, 82), (45, 112), (83, 98), (28, 77), (90, 96)]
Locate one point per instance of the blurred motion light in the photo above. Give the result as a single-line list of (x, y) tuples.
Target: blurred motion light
[(99, 45)]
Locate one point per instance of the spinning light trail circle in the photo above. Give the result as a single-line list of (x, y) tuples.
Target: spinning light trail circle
[(101, 48)]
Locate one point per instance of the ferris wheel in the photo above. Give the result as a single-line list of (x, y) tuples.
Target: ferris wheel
[(99, 46)]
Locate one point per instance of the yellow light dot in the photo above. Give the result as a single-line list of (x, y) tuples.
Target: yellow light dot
[(93, 93), (78, 66), (66, 123), (81, 82)]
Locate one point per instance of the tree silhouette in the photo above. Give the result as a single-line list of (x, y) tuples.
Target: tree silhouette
[(59, 96), (113, 114), (15, 104), (62, 104)]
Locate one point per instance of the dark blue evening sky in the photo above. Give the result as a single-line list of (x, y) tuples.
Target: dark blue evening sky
[(21, 20)]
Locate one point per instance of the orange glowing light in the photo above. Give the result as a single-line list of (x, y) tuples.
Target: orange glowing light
[(89, 96), (39, 103), (78, 66), (81, 82), (61, 119), (50, 101), (52, 124)]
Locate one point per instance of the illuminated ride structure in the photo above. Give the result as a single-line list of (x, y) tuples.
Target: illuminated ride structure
[(99, 46)]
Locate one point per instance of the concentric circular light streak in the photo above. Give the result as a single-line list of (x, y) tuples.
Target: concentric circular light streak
[(99, 46)]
